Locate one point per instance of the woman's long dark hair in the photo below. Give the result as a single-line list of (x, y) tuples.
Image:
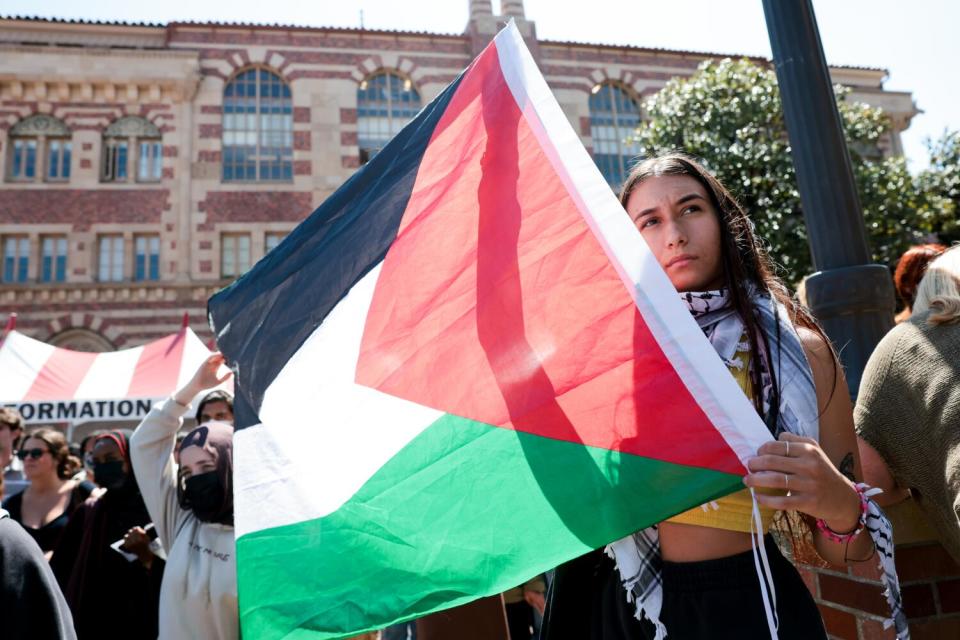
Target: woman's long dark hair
[(744, 260)]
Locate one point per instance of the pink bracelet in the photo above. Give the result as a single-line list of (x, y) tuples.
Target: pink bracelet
[(861, 522)]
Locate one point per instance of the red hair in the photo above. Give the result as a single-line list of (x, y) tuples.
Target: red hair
[(910, 269)]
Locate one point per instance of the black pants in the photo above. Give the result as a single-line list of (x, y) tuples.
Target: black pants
[(520, 620), (714, 599)]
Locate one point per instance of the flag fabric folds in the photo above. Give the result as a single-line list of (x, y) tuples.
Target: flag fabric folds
[(464, 368)]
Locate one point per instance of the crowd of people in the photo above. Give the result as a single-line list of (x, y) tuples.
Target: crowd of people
[(131, 534)]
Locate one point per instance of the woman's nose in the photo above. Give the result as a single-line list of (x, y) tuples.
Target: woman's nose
[(675, 235)]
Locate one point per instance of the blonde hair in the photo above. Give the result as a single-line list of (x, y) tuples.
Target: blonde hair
[(939, 290)]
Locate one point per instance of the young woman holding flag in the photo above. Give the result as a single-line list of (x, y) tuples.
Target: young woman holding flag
[(698, 574)]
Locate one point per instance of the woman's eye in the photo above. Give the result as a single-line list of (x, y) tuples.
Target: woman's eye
[(648, 222), (690, 209)]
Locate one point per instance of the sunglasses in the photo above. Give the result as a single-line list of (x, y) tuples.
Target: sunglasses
[(36, 454)]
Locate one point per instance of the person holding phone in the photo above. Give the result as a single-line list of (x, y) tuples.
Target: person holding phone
[(98, 582), (192, 509)]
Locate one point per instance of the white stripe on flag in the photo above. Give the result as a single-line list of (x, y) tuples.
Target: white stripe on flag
[(21, 359), (322, 436), (675, 330), (109, 376)]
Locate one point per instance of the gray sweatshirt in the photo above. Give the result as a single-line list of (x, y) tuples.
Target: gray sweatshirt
[(198, 596)]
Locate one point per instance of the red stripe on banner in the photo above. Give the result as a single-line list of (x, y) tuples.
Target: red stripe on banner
[(497, 303), (61, 375), (158, 368)]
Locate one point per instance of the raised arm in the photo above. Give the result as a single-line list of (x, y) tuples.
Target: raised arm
[(151, 450)]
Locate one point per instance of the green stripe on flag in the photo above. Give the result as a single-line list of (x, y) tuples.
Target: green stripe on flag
[(464, 510)]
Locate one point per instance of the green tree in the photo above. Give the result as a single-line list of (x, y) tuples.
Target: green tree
[(941, 184), (729, 114)]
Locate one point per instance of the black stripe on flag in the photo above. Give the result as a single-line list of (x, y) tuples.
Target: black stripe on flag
[(264, 317)]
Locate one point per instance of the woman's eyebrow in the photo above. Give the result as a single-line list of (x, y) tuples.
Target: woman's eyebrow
[(681, 200), (689, 197)]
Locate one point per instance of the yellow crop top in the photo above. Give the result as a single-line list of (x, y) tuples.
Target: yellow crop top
[(735, 511)]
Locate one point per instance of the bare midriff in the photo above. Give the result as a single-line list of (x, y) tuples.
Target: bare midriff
[(690, 543)]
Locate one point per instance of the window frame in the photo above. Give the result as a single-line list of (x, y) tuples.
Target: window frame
[(20, 272), (270, 235), (130, 133), (151, 257), (43, 131), (624, 152), (276, 107), (114, 265), (232, 239), (409, 86), (56, 259)]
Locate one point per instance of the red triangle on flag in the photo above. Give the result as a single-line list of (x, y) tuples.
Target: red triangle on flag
[(497, 303)]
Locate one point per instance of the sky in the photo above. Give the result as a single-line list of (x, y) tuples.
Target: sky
[(914, 41)]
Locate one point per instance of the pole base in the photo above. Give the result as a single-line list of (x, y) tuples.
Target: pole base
[(855, 306)]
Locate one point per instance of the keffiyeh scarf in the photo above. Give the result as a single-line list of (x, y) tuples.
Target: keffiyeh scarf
[(637, 556)]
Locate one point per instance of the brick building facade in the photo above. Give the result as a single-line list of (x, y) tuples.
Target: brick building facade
[(144, 166)]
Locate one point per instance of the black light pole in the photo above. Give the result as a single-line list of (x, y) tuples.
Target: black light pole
[(851, 297)]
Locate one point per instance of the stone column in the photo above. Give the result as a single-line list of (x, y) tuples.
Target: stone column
[(184, 181), (512, 8), (480, 8)]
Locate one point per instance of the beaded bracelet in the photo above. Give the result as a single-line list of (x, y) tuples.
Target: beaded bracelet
[(861, 522)]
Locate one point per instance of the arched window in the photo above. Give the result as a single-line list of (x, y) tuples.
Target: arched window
[(386, 102), (257, 128), (131, 147), (614, 116), (39, 147)]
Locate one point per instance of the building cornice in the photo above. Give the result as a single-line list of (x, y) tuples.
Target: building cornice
[(16, 295)]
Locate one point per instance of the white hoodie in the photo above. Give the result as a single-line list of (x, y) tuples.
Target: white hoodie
[(198, 597)]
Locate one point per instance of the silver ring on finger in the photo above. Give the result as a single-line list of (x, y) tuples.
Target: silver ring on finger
[(786, 482), (787, 442)]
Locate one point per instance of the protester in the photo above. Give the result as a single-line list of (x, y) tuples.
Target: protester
[(98, 581), (216, 406), (192, 510), (86, 453), (44, 507), (31, 604), (710, 587), (910, 269), (908, 410), (11, 429)]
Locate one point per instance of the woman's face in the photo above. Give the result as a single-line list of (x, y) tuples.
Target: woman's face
[(196, 460), (106, 450), (38, 467), (680, 225)]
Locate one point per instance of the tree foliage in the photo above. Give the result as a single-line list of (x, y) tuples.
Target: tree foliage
[(729, 115), (941, 184)]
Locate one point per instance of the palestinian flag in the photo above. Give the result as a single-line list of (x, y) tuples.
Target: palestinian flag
[(463, 369)]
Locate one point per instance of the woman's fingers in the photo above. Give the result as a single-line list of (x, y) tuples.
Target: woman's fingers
[(772, 480), (781, 464), (781, 503), (786, 436)]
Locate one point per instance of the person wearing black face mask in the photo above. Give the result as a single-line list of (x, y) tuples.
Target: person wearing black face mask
[(192, 509), (99, 583)]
